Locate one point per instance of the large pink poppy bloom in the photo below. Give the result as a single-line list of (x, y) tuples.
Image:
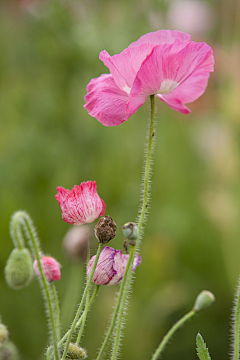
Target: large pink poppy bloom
[(80, 205), (164, 63), (111, 266)]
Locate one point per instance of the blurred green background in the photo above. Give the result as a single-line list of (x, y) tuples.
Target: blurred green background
[(49, 52)]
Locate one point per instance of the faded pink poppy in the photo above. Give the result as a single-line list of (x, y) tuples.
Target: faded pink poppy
[(111, 266), (164, 63), (80, 205), (51, 268)]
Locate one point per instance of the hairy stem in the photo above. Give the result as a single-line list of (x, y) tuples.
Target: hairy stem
[(146, 179), (25, 220), (171, 332), (82, 302), (15, 230), (236, 314), (57, 311)]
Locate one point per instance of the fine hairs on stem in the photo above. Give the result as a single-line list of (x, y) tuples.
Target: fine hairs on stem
[(235, 322), (22, 219)]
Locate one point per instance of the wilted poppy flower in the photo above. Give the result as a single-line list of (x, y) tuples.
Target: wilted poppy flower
[(80, 205), (51, 268), (111, 266), (164, 63)]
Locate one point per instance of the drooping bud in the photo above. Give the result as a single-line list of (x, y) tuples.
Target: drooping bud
[(130, 231), (204, 300), (76, 352), (18, 270), (9, 351), (105, 230), (3, 334), (51, 268), (75, 242)]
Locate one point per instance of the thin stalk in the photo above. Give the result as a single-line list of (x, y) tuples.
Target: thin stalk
[(114, 317), (171, 332), (87, 307), (82, 302), (57, 311), (146, 179), (236, 325), (15, 230), (32, 237), (67, 333)]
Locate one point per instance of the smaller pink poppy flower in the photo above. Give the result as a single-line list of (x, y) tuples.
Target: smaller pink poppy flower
[(51, 268), (80, 205), (111, 266)]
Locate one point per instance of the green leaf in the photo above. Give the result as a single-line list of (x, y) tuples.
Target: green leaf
[(202, 350)]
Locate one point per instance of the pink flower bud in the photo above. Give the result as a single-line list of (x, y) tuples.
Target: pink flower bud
[(51, 268), (80, 205), (111, 266)]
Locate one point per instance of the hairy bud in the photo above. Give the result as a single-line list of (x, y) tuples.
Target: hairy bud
[(3, 334), (50, 266), (18, 270), (75, 243), (9, 351), (105, 230), (204, 300), (76, 352)]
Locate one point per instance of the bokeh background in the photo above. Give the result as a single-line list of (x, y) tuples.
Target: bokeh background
[(49, 52)]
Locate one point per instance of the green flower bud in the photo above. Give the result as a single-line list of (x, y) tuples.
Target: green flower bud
[(9, 351), (19, 268), (3, 334), (76, 352), (130, 231), (204, 300)]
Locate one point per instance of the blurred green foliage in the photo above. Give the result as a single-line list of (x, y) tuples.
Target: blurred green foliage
[(49, 52)]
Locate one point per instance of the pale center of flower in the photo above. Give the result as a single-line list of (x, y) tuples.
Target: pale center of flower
[(167, 86), (127, 89)]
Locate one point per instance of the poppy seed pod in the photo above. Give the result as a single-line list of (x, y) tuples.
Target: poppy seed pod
[(130, 231), (19, 270), (105, 230)]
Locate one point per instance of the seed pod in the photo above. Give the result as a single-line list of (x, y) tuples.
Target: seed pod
[(105, 230), (19, 270), (204, 300), (130, 231), (9, 351)]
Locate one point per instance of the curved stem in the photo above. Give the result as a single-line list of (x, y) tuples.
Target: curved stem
[(15, 230), (110, 330), (146, 179), (82, 302), (32, 237), (87, 307), (171, 332)]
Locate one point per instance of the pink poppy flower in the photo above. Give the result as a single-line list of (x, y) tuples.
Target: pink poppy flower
[(164, 63), (51, 268), (111, 266), (80, 205)]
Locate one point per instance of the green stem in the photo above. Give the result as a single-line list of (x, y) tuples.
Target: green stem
[(87, 307), (236, 326), (82, 302), (171, 332), (32, 237), (15, 230), (110, 330), (146, 179), (57, 311), (77, 325)]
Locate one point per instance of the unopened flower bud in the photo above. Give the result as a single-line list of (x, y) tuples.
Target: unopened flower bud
[(130, 231), (51, 268), (204, 300), (3, 334), (76, 352), (9, 351), (105, 230), (18, 270), (75, 242)]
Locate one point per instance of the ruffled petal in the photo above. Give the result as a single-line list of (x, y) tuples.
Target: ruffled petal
[(104, 271), (161, 37), (124, 66), (105, 101), (167, 68)]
